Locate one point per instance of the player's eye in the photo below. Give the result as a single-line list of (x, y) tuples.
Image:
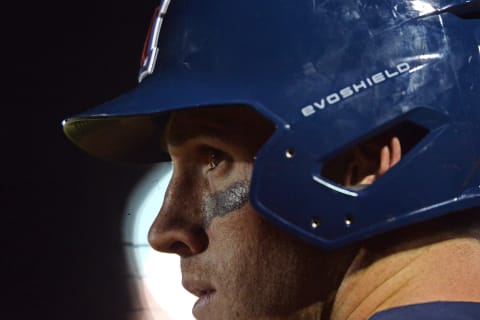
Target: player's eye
[(215, 157)]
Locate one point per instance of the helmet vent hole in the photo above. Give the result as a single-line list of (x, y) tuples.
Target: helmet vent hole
[(354, 166)]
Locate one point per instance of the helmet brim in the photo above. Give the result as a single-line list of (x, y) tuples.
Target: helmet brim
[(130, 128)]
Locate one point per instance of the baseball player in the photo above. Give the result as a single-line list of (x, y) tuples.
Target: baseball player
[(326, 155)]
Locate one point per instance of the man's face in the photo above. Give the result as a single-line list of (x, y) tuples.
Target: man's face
[(239, 265)]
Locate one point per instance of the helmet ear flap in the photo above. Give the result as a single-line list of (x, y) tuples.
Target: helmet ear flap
[(365, 162)]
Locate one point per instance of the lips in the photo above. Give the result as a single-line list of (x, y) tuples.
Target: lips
[(205, 293)]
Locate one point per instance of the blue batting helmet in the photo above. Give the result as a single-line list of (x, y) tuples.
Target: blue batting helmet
[(329, 75)]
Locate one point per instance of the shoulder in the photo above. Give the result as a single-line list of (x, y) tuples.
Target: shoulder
[(432, 311)]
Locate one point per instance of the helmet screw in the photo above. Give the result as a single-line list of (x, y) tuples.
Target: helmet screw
[(290, 153), (348, 220), (315, 223)]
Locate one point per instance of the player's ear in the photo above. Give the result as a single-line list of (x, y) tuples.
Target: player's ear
[(370, 161)]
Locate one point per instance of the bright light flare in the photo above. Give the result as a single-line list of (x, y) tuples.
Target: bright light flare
[(422, 7), (158, 278)]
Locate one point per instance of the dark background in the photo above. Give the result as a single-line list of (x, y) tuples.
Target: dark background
[(62, 210)]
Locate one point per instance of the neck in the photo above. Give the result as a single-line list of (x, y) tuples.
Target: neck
[(441, 271)]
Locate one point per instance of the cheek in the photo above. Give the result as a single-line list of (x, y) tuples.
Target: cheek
[(250, 254), (225, 195), (235, 245), (243, 245), (235, 231)]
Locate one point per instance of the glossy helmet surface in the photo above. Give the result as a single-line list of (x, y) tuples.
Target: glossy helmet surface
[(329, 75)]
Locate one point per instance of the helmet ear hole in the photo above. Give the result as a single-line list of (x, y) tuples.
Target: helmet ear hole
[(363, 163)]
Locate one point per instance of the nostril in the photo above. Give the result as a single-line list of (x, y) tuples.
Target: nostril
[(182, 240), (179, 248)]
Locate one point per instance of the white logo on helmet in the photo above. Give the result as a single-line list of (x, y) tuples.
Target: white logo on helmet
[(150, 49), (355, 88)]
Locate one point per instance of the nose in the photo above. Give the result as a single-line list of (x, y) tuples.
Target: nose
[(178, 227)]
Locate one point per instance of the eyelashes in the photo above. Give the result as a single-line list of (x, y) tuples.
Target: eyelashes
[(214, 158)]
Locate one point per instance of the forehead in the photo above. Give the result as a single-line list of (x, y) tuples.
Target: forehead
[(238, 124)]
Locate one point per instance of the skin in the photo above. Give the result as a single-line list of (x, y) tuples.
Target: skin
[(364, 171), (224, 244), (243, 267)]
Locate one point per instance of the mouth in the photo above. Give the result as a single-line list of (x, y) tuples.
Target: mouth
[(205, 293)]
